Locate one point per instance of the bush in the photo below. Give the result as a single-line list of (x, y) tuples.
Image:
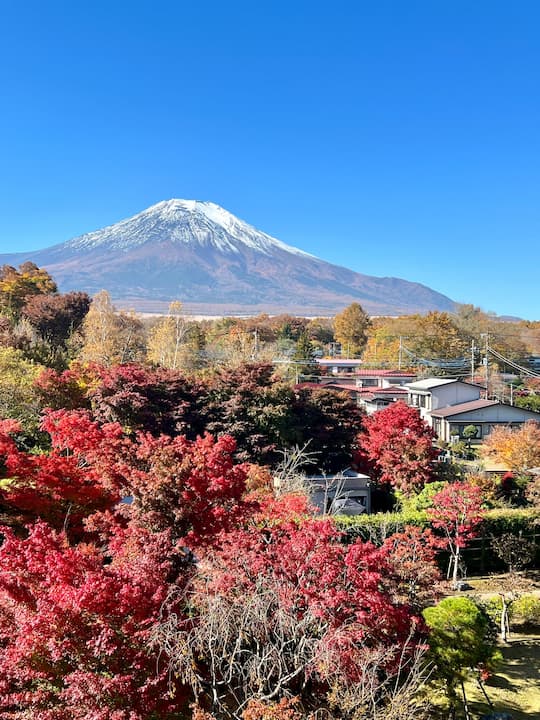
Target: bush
[(527, 609), (479, 558), (379, 526), (493, 608), (509, 520), (424, 499)]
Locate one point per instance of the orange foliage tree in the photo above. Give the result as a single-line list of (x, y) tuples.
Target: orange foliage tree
[(517, 449)]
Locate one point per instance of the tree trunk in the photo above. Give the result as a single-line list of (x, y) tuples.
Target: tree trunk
[(483, 689), (504, 620), (465, 705), (456, 567)]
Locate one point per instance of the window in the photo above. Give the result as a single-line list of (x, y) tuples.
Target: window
[(461, 427)]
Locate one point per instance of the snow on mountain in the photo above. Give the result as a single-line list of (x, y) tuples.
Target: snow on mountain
[(182, 221), (201, 254)]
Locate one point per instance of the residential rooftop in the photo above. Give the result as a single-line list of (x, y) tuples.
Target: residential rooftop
[(430, 383), (463, 407)]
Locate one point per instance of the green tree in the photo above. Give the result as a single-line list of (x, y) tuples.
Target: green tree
[(350, 329), (470, 432), (304, 354), (462, 639), (529, 402), (18, 398)]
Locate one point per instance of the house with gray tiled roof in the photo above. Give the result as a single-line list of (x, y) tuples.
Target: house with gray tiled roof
[(450, 405), (484, 415), (435, 393)]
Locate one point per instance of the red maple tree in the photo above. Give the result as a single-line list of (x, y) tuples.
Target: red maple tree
[(456, 512), (75, 624), (398, 446)]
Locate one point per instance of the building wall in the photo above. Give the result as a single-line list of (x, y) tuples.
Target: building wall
[(485, 418), (453, 394)]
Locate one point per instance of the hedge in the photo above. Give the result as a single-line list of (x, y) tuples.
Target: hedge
[(478, 556), (495, 522)]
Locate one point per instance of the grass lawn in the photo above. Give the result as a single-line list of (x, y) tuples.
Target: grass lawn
[(516, 686)]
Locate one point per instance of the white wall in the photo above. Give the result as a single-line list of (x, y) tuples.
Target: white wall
[(453, 394)]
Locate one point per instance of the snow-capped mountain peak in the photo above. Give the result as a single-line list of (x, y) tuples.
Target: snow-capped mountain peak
[(189, 222), (201, 254)]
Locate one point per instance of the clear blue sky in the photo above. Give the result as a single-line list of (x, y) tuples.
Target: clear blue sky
[(393, 137)]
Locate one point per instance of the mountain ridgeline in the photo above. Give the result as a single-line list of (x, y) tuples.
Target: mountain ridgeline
[(201, 254)]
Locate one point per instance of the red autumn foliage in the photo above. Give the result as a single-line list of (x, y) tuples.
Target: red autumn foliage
[(192, 487), (75, 625), (398, 446), (351, 587), (65, 390), (56, 317), (457, 513), (54, 487), (80, 596), (412, 556), (155, 400)]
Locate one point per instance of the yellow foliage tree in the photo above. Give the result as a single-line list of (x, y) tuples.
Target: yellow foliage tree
[(382, 346), (17, 286), (109, 336), (18, 399), (517, 449), (167, 338), (350, 329)]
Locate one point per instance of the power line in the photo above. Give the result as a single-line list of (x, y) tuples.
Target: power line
[(511, 363)]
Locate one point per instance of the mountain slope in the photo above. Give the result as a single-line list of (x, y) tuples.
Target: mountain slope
[(201, 254)]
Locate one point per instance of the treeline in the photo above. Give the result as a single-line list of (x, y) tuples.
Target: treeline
[(53, 329)]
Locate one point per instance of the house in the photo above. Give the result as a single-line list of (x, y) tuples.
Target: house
[(383, 378), (450, 422), (375, 378), (436, 393), (371, 389), (348, 388), (373, 399), (370, 399), (339, 366), (347, 493)]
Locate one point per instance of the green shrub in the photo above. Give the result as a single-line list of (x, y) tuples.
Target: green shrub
[(496, 522), (377, 527), (478, 556), (424, 499), (527, 609), (493, 608), (509, 520)]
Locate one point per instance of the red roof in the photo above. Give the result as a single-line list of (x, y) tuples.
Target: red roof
[(392, 390), (323, 386)]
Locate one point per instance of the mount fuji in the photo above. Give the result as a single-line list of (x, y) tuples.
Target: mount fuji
[(215, 263)]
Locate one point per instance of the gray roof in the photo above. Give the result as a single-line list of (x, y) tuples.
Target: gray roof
[(429, 383), (464, 408)]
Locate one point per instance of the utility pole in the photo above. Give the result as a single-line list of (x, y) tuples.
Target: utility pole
[(255, 344), (487, 366), (472, 360), (400, 356)]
